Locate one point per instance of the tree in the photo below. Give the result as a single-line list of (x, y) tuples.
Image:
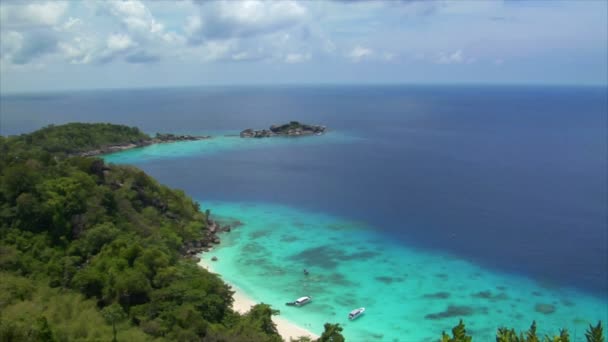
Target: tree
[(262, 315), (531, 333), (595, 333), (332, 333), (113, 314), (44, 332), (564, 336), (459, 334)]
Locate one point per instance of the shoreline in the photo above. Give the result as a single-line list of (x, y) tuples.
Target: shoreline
[(162, 139), (242, 303)]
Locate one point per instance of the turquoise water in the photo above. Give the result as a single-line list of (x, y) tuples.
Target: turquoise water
[(221, 141), (409, 294)]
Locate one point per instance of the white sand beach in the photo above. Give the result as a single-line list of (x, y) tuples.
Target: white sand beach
[(242, 303)]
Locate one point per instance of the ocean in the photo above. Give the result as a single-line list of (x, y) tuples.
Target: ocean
[(425, 204)]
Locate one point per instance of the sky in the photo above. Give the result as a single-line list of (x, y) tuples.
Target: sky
[(88, 44)]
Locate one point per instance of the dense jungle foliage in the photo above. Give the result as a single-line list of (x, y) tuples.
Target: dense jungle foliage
[(90, 251), (595, 333), (78, 137)]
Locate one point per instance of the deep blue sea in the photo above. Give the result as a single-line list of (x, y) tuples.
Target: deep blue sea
[(510, 178)]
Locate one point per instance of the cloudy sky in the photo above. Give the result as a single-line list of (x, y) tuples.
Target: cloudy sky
[(135, 43)]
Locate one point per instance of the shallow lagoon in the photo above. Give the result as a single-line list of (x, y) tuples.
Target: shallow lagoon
[(410, 294), (220, 141)]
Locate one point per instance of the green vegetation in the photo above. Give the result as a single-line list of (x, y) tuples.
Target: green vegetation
[(332, 333), (593, 334), (77, 137), (90, 251), (459, 334)]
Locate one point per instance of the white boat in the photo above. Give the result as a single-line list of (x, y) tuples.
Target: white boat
[(356, 313), (300, 301)]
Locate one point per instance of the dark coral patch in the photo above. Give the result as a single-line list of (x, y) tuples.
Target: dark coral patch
[(328, 257), (389, 280), (501, 296), (289, 238), (488, 295), (443, 276), (452, 311), (567, 302), (545, 308), (346, 301), (260, 233), (386, 280), (340, 280), (437, 295), (483, 294), (254, 248)]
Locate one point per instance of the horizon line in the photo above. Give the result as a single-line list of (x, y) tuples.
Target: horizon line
[(308, 84)]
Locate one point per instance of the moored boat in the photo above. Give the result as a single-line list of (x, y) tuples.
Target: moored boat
[(356, 313), (300, 301)]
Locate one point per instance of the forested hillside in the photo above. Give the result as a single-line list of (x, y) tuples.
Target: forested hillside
[(91, 251), (78, 137)]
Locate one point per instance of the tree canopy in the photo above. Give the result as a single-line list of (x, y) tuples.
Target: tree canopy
[(108, 240), (76, 137)]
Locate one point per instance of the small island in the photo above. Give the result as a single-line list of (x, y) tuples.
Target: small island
[(291, 129)]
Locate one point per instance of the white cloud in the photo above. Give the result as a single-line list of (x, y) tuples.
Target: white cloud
[(33, 14), (71, 23), (29, 31), (213, 51), (293, 58), (135, 16), (23, 47), (119, 42), (359, 53), (451, 58), (77, 51), (146, 39), (238, 19), (456, 57), (10, 42), (193, 25)]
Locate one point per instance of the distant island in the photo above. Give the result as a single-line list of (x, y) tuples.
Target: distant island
[(291, 129), (92, 139)]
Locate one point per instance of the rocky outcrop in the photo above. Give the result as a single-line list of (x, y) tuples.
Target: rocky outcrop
[(209, 238), (158, 139), (291, 129), (164, 138)]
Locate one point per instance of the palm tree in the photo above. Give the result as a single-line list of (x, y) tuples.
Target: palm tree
[(595, 333)]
